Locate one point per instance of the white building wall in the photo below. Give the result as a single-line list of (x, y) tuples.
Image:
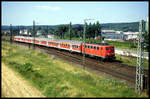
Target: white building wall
[(110, 34)]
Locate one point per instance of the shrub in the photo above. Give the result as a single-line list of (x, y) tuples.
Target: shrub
[(26, 67)]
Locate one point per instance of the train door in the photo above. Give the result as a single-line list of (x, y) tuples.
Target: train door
[(101, 51), (70, 47), (59, 45)]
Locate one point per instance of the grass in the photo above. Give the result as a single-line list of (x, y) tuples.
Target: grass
[(6, 37), (56, 78), (131, 61)]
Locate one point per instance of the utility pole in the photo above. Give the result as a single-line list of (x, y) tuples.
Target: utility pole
[(11, 33), (70, 30), (140, 61), (28, 37), (84, 38), (47, 31), (18, 31), (34, 33)]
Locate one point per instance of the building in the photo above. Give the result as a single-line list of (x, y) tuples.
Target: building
[(39, 32), (24, 32), (112, 35), (50, 36), (5, 32), (130, 35), (118, 35)]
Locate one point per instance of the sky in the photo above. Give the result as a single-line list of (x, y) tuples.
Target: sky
[(54, 13)]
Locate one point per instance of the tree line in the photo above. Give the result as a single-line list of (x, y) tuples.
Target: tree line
[(67, 31)]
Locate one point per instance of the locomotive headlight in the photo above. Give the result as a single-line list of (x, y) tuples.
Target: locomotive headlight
[(108, 53)]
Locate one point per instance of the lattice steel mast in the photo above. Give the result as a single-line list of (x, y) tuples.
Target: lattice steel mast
[(140, 61)]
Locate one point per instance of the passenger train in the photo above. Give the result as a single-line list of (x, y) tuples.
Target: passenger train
[(98, 50)]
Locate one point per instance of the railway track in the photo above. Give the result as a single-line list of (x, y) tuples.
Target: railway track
[(115, 68)]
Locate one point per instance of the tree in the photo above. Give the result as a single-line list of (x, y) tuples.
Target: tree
[(89, 31), (70, 28), (61, 30), (80, 31), (98, 29)]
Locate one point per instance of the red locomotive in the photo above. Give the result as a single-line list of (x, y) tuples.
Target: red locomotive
[(98, 50)]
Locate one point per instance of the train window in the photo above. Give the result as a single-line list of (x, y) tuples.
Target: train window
[(107, 48), (97, 48), (94, 47), (112, 48)]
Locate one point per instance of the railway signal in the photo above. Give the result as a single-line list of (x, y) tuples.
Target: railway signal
[(140, 61)]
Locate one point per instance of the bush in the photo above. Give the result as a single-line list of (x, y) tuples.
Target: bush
[(26, 67), (22, 68)]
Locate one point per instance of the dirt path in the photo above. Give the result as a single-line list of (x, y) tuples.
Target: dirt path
[(13, 85)]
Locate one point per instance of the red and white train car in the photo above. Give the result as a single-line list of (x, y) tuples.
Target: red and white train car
[(98, 50)]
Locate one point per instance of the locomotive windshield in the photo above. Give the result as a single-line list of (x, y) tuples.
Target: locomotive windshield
[(107, 48), (112, 48)]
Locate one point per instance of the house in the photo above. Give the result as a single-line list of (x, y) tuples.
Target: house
[(25, 32), (50, 36), (5, 32), (39, 32)]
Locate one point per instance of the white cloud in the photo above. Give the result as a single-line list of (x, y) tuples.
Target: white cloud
[(52, 8)]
